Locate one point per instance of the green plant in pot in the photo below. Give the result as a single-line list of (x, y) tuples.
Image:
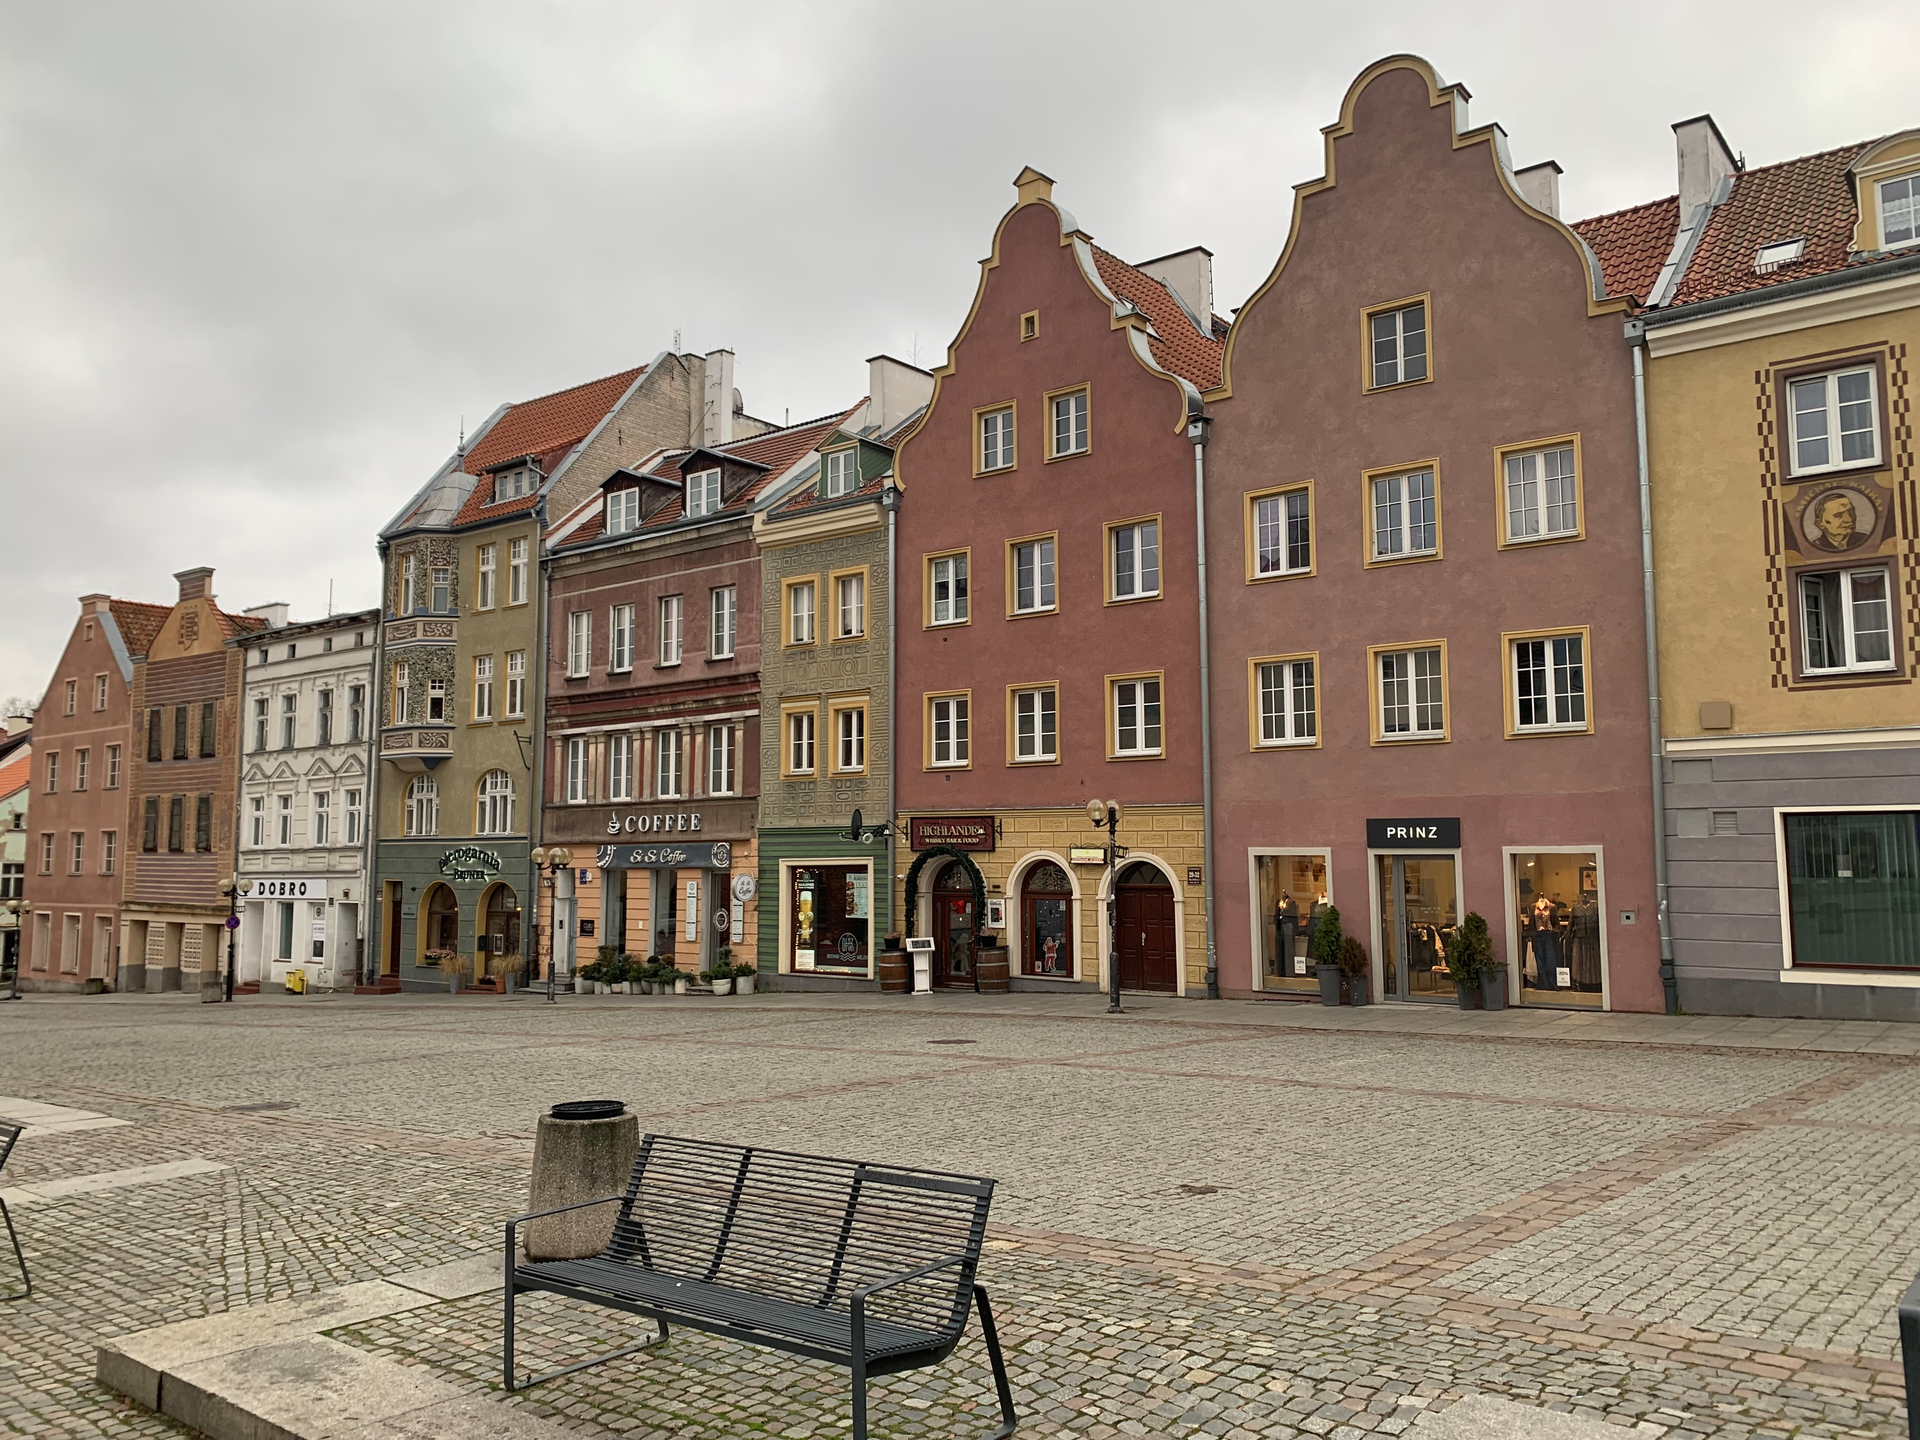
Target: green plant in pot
[(1355, 970), (1325, 954), (1471, 966), (744, 978)]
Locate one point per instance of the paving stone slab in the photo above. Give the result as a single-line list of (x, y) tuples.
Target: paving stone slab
[(455, 1280), (1488, 1417), (308, 1389)]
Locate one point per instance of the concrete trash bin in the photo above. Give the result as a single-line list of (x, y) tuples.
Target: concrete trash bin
[(583, 1150)]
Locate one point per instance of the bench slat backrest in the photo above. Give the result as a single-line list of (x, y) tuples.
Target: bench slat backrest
[(9, 1133), (803, 1228)]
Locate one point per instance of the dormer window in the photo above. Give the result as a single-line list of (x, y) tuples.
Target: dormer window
[(1782, 252), (623, 511), (1899, 212), (843, 472), (512, 484), (703, 492)]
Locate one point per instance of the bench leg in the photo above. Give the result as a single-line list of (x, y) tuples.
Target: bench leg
[(514, 1382), (18, 1256), (1007, 1421)]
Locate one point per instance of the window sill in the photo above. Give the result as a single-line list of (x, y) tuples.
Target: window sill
[(1395, 385), (1133, 599), (1143, 755), (1069, 455), (997, 470), (1850, 467), (1307, 573), (1411, 739), (1032, 614), (666, 665), (1418, 557), (847, 639), (949, 769), (1534, 732), (1265, 745), (726, 659), (1529, 541), (1020, 764)]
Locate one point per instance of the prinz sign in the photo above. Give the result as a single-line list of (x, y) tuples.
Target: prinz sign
[(1423, 834)]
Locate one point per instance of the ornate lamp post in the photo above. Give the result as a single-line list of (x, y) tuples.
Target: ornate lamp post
[(1105, 815), (17, 911), (553, 861), (233, 887)]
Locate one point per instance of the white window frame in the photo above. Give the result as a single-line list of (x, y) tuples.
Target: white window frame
[(623, 511), (673, 615), (850, 605), (516, 684), (517, 572), (485, 559), (409, 587), (579, 643), (1832, 418), (1390, 512), (1273, 533), (1145, 696), (109, 852), (703, 493), (801, 727), (1396, 342), (289, 721), (723, 622), (620, 767), (257, 813), (1912, 182), (436, 700), (801, 618), (850, 739), (995, 439), (99, 692), (949, 731), (401, 690), (667, 764), (483, 687), (1142, 552), (578, 787), (354, 811), (620, 638), (950, 572), (283, 827), (113, 767), (1036, 725), (720, 760), (1286, 702), (1566, 678), (1040, 575), (423, 806), (1422, 675), (1849, 608), (495, 804), (1530, 482), (841, 471), (1069, 414), (440, 593), (320, 816)]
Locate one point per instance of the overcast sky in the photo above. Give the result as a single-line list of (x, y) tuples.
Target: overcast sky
[(258, 262)]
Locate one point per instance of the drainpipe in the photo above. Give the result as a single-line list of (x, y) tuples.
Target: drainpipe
[(537, 763), (1197, 427), (890, 502), (376, 926), (1637, 336)]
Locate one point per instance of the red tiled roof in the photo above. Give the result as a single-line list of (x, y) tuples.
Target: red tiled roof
[(546, 428), (808, 496), (232, 625), (139, 622), (1632, 245), (1811, 197), (1180, 348), (15, 774)]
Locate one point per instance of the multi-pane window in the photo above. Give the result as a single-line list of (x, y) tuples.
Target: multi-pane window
[(850, 738), (673, 614), (623, 511), (1135, 559), (579, 642), (842, 472), (46, 842), (1283, 534), (73, 696), (323, 718), (1834, 424), (516, 572), (1543, 496), (703, 493), (800, 725), (1070, 423), (400, 694), (99, 692), (950, 743), (109, 851), (180, 742), (1412, 694), (257, 821), (996, 439), (203, 823), (354, 810), (286, 819), (113, 767), (619, 767), (81, 764), (155, 734), (176, 824), (1398, 345), (149, 831), (486, 558), (1035, 724), (516, 683), (850, 606), (260, 722), (356, 713), (77, 853), (1136, 717), (1899, 211), (483, 687), (1033, 576), (1550, 683), (947, 589), (495, 809), (620, 638), (667, 768), (436, 700), (800, 613), (1846, 621), (1289, 710), (13, 879), (719, 759), (442, 589), (209, 720), (423, 806), (722, 621), (321, 806), (289, 720), (577, 779), (1406, 516), (53, 772), (409, 588)]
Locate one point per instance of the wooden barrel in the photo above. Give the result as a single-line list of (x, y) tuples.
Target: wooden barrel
[(990, 969), (895, 973)]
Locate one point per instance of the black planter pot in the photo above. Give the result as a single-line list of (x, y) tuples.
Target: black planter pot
[(1493, 990), (1329, 977), (1357, 990), (1467, 994)]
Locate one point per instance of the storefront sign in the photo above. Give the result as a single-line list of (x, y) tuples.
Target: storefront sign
[(956, 832), (1443, 834), (713, 855), (287, 887), (469, 863), (1087, 855), (658, 822)]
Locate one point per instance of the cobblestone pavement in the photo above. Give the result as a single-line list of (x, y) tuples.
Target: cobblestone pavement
[(1213, 1219)]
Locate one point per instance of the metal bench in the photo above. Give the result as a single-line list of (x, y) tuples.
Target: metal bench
[(867, 1266), (9, 1133)]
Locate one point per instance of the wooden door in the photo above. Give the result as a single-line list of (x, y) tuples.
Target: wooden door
[(1148, 957), (953, 932)]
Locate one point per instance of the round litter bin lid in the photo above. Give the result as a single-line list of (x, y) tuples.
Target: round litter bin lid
[(588, 1109)]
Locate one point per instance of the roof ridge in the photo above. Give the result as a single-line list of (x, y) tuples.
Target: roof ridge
[(1810, 155), (835, 416), (1623, 210), (635, 370)]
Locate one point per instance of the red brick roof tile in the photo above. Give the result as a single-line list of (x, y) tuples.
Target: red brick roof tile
[(1632, 245), (1181, 347), (15, 775), (1810, 198), (807, 497), (546, 428), (138, 622)]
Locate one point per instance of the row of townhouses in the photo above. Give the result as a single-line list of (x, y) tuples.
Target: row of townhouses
[(1563, 572)]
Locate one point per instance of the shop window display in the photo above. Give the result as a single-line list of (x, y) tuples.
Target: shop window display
[(1046, 903), (1420, 911), (1292, 896), (1853, 887), (1557, 899), (831, 909)]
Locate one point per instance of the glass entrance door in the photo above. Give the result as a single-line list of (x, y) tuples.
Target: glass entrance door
[(1418, 914)]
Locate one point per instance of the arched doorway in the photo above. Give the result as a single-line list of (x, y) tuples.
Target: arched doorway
[(1046, 922), (500, 923), (440, 921), (1147, 953), (953, 926)]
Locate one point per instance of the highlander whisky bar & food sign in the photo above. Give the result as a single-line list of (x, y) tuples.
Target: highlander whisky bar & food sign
[(956, 832)]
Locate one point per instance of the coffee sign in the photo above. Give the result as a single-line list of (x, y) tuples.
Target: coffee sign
[(1432, 834), (655, 823), (956, 832)]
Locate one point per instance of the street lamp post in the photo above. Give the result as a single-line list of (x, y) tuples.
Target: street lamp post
[(17, 911), (233, 887), (553, 862), (1105, 815)]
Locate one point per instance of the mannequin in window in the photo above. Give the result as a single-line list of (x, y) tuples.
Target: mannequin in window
[(1544, 943), (1315, 915), (1286, 922), (1583, 944)]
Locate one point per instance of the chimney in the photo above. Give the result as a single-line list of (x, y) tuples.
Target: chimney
[(274, 612), (716, 426), (95, 604), (895, 390), (1705, 160), (1031, 185), (195, 584), (16, 724), (1189, 275), (1539, 186)]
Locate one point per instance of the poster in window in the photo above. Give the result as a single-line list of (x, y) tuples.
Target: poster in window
[(857, 895)]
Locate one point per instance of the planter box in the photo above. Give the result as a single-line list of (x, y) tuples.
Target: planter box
[(1493, 990), (1358, 989), (1329, 977), (743, 984), (1467, 994), (723, 987)]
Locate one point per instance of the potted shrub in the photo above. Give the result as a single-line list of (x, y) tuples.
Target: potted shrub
[(1476, 940), (743, 979), (720, 977), (1325, 953), (1467, 955), (1355, 970), (453, 966), (513, 969)]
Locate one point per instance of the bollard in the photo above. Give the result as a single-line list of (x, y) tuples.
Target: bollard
[(1910, 1354), (583, 1150)]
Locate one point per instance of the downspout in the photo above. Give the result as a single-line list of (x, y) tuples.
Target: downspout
[(1637, 336), (890, 501), (376, 712), (1197, 427), (537, 762)]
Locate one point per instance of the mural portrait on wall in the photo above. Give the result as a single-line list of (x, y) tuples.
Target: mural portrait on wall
[(1839, 520)]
